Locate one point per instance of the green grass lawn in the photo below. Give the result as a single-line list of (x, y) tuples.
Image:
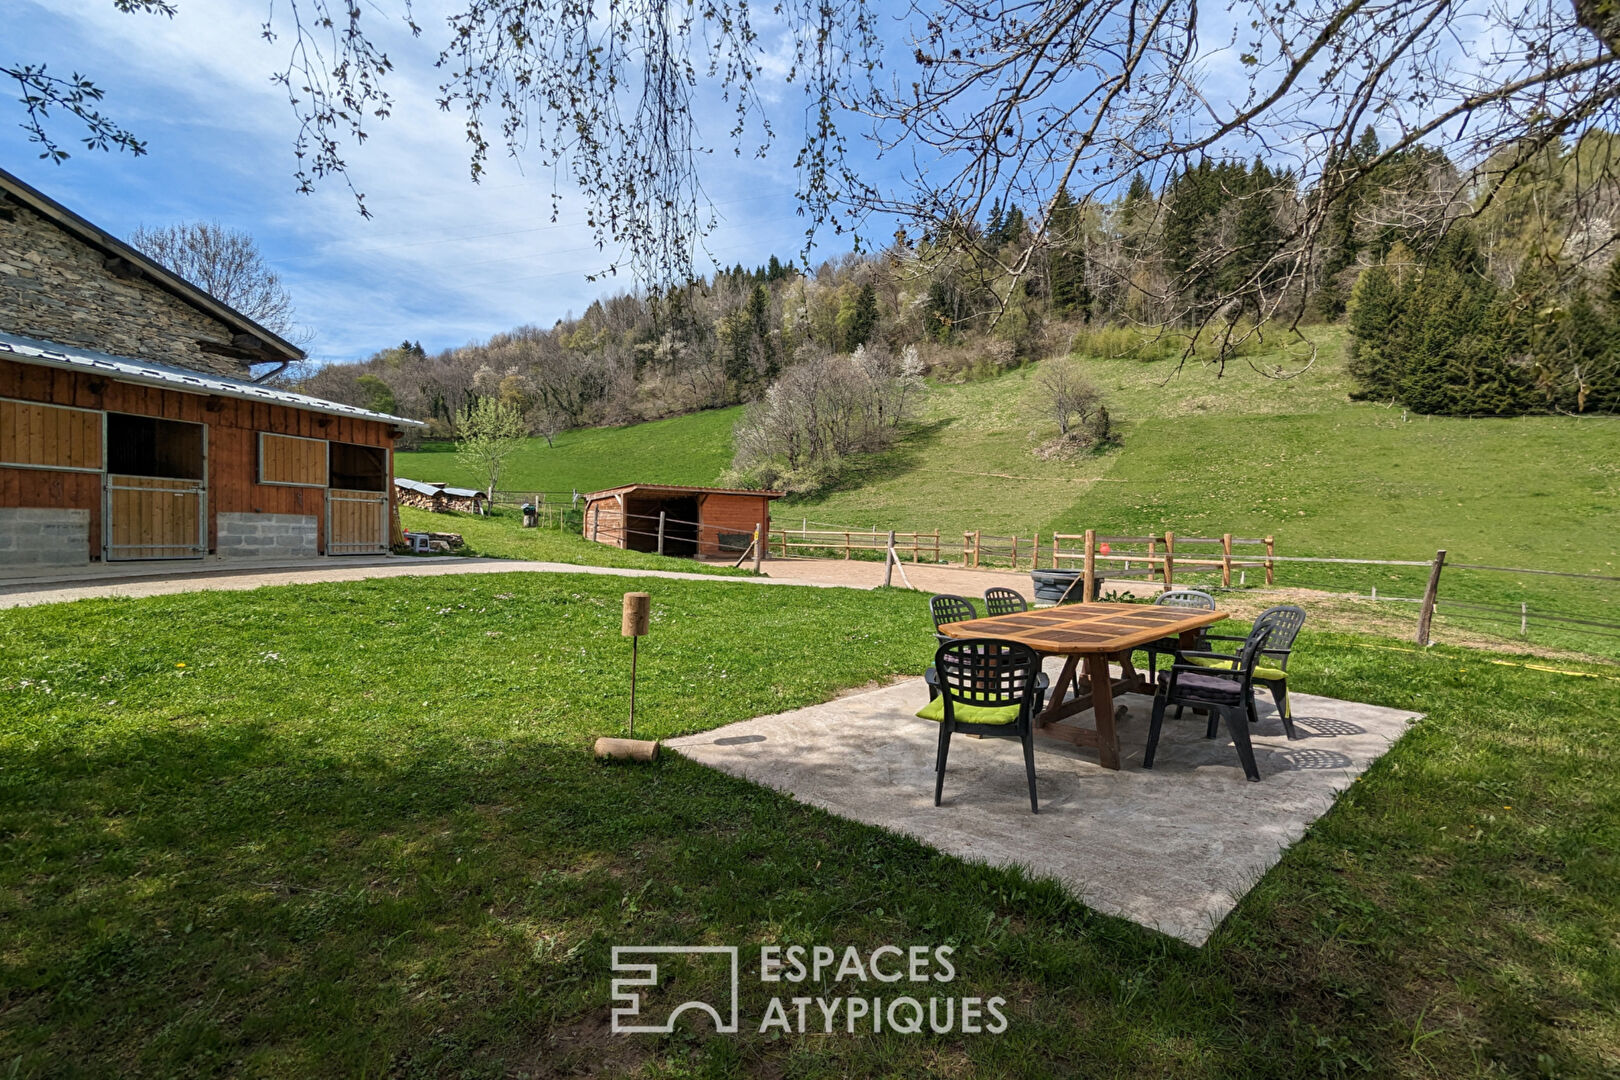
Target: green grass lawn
[(692, 449), (501, 536), (355, 829)]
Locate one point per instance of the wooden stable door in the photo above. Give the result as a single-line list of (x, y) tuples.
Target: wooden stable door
[(356, 522), (152, 517)]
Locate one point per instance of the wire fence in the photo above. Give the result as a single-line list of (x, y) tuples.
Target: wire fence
[(1165, 559)]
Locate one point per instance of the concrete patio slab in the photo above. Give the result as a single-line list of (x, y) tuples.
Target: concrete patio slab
[(1173, 848)]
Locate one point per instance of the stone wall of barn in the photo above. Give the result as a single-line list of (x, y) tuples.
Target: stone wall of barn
[(54, 287)]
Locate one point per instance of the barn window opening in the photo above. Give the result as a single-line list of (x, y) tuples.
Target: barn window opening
[(359, 468), (680, 524), (149, 446)]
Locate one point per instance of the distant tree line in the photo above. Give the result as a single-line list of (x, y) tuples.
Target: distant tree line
[(1462, 297)]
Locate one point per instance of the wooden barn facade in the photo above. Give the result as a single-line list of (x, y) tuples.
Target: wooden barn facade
[(130, 425), (701, 522)]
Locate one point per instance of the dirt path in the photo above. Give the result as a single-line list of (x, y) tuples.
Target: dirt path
[(926, 577), (54, 592)]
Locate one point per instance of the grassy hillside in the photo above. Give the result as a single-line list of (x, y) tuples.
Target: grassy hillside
[(1203, 453), (1243, 453), (684, 450)]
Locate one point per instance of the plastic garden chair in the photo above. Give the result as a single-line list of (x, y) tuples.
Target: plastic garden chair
[(999, 600), (1178, 598), (1271, 671), (949, 608), (1226, 692), (987, 688)]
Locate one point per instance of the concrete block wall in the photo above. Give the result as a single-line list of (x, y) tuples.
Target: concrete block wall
[(266, 536), (44, 536)]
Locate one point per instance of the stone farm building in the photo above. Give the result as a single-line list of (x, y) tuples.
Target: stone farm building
[(132, 425), (706, 522)]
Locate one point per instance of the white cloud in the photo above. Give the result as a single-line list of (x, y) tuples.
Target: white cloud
[(441, 260)]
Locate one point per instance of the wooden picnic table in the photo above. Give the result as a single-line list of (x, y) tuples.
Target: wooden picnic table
[(1097, 634)]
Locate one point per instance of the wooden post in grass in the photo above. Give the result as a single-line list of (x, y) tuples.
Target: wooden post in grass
[(660, 532), (888, 561), (1271, 549), (977, 540), (846, 545), (936, 545), (633, 625), (759, 545), (1035, 552), (1431, 596), (1226, 560), (1089, 592), (1169, 559)]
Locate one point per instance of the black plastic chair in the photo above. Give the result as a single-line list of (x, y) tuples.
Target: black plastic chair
[(986, 674), (1271, 670), (945, 608), (1192, 599), (1003, 601), (949, 608), (1226, 692)]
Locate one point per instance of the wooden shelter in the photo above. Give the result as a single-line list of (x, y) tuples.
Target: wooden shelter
[(437, 497), (131, 426), (697, 521)]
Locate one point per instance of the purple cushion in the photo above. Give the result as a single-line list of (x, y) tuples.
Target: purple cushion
[(1208, 685)]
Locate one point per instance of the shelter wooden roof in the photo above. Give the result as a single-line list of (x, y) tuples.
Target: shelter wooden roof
[(676, 489)]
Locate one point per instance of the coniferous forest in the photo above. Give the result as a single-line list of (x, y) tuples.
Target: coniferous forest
[(1461, 297)]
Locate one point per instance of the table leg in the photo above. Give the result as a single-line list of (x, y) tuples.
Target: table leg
[(1059, 690), (1102, 706)]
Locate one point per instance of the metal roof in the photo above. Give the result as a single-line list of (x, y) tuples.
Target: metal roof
[(146, 373), (159, 275), (426, 488), (676, 489)]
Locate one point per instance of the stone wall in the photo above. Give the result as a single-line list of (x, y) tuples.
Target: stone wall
[(266, 536), (43, 536), (56, 288)]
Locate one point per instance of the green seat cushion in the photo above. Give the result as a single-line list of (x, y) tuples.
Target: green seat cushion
[(969, 714), (1269, 674)]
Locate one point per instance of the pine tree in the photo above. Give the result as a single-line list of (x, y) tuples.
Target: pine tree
[(992, 224), (863, 320), (1012, 227), (1068, 264), (1373, 355)]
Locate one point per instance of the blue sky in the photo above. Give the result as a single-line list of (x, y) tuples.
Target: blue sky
[(441, 260)]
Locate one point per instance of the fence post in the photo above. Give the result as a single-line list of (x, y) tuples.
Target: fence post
[(977, 540), (1035, 553), (1524, 619), (1226, 560), (1169, 559), (1431, 596), (1271, 549), (1088, 592), (661, 532), (846, 545), (759, 549), (936, 545), (888, 561)]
